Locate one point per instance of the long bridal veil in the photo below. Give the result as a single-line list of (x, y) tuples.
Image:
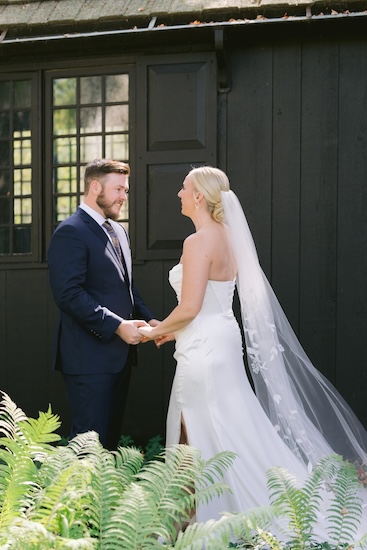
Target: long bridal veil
[(304, 407)]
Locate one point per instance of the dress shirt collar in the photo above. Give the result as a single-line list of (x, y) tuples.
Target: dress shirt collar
[(93, 213)]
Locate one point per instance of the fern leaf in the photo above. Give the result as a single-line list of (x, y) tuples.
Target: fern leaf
[(60, 506), (345, 511), (41, 430), (135, 524), (217, 535), (10, 417), (19, 490), (30, 535)]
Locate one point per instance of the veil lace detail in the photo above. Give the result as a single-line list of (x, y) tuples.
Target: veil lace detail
[(305, 409)]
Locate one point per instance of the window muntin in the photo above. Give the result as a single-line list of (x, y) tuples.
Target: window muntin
[(90, 116), (16, 204)]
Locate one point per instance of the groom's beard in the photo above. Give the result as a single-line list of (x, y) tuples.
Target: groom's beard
[(107, 207)]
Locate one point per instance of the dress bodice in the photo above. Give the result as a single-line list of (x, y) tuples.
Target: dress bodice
[(218, 295)]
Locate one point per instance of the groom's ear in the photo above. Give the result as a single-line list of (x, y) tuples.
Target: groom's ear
[(95, 187)]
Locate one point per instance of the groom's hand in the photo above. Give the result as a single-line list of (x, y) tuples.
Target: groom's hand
[(128, 331)]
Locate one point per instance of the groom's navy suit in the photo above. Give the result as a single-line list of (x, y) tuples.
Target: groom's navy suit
[(93, 295)]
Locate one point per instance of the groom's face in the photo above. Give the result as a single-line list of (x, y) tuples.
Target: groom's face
[(113, 194)]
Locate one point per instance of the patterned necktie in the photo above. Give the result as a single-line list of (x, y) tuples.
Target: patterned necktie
[(117, 247)]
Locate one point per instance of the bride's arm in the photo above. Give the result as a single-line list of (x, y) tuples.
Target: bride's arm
[(195, 273)]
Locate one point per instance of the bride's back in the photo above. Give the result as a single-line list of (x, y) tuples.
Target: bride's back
[(217, 246)]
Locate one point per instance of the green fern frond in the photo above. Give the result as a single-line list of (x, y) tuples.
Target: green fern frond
[(181, 481), (61, 506), (212, 534), (24, 436), (205, 494), (288, 496), (41, 430), (345, 510), (111, 474), (181, 475), (54, 463), (10, 417), (135, 524), (104, 494), (216, 535), (154, 448), (173, 477), (30, 535), (128, 462), (212, 469), (18, 491), (85, 444), (362, 543)]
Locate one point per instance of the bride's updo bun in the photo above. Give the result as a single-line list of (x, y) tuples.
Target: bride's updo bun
[(210, 182)]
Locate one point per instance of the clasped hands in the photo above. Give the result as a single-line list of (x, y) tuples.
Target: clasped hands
[(128, 330), (136, 331), (148, 333)]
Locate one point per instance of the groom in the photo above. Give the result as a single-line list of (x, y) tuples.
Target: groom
[(100, 309)]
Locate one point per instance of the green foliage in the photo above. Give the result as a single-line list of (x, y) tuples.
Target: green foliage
[(152, 450), (332, 482), (82, 496)]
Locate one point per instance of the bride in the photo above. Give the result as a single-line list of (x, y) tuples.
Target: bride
[(296, 416)]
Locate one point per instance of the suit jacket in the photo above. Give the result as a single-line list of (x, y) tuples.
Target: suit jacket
[(89, 288)]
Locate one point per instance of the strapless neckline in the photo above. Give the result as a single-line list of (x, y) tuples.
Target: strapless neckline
[(179, 266)]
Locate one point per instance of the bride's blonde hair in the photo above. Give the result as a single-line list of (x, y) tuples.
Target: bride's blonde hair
[(210, 182)]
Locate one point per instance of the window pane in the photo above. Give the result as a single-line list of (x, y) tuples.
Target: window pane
[(81, 179), (22, 150), (22, 182), (64, 91), (90, 120), (65, 206), (21, 122), (91, 89), (117, 118), (65, 150), (65, 179), (22, 211), (5, 95), (16, 206), (86, 126), (22, 240), (117, 88), (4, 240), (90, 148), (4, 125), (64, 121), (124, 212), (22, 93), (117, 146)]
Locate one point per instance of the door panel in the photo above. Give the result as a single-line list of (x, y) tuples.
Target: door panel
[(176, 129)]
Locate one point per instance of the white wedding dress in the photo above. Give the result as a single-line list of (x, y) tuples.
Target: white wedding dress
[(212, 395)]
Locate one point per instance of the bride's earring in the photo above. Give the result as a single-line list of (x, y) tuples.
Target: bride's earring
[(196, 205)]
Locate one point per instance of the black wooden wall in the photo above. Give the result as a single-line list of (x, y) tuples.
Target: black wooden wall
[(291, 133)]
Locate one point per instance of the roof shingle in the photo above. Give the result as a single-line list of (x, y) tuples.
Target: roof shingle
[(18, 14)]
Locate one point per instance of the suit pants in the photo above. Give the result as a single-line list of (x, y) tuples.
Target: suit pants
[(98, 403)]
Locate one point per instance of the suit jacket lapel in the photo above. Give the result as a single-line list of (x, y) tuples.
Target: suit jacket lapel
[(97, 230)]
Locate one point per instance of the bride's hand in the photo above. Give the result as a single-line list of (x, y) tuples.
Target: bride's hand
[(146, 333), (160, 340)]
